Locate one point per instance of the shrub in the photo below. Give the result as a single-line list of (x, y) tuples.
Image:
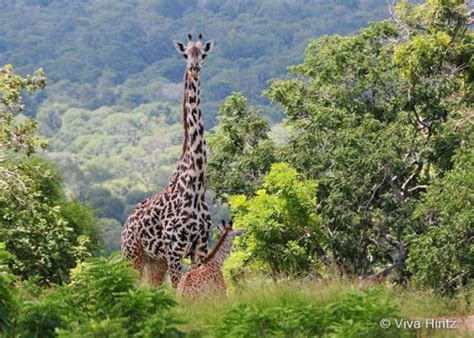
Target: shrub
[(101, 300), (8, 302), (96, 329), (244, 321), (283, 228), (363, 311), (445, 218), (356, 314), (160, 326), (42, 318), (243, 148)]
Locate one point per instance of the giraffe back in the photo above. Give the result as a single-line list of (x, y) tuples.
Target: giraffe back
[(208, 279), (203, 282)]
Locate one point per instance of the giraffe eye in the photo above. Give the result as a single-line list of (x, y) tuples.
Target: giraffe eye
[(185, 56), (203, 56)]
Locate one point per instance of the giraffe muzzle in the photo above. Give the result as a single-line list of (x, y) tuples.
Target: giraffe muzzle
[(194, 72)]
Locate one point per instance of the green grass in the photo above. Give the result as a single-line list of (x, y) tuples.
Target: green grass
[(424, 304), (262, 294), (203, 317)]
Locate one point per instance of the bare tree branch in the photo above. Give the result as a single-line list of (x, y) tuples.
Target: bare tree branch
[(381, 275), (418, 187), (376, 188), (411, 178)]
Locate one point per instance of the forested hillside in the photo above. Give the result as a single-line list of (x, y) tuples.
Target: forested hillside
[(111, 110), (88, 48)]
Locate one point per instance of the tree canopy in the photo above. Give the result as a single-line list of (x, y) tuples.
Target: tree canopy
[(376, 118), (43, 230)]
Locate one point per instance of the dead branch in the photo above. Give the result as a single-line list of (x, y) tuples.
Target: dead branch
[(376, 188), (381, 275), (418, 187), (411, 177)]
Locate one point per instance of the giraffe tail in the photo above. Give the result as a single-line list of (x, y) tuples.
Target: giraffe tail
[(131, 247)]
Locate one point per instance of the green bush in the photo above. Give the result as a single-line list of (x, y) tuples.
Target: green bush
[(8, 302), (283, 228), (363, 311), (159, 326), (100, 300), (244, 321), (356, 314), (42, 318), (243, 148), (445, 218), (96, 329), (44, 231)]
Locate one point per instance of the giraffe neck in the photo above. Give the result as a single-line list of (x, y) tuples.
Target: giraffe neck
[(221, 250), (193, 152)]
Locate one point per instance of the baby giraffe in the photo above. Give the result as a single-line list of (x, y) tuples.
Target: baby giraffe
[(208, 280)]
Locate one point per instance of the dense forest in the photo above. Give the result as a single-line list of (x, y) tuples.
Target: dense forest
[(340, 137), (108, 53)]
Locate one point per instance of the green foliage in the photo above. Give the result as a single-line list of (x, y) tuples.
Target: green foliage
[(123, 55), (283, 229), (376, 118), (41, 318), (115, 158), (104, 288), (357, 314), (8, 301), (110, 327), (82, 219), (44, 232), (17, 136), (241, 151), (36, 230), (445, 219), (101, 299)]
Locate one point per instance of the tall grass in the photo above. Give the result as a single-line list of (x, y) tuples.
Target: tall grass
[(204, 318)]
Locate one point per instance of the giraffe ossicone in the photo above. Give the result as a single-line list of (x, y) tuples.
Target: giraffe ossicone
[(174, 224), (208, 280)]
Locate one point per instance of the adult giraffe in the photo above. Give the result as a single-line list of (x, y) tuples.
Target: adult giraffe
[(175, 223)]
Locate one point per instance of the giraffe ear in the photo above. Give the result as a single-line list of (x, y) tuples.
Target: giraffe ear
[(221, 227), (179, 46), (208, 46)]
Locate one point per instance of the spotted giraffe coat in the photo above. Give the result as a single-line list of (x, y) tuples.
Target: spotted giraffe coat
[(208, 279), (174, 224)]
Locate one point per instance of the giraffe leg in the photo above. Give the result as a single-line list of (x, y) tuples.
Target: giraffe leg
[(175, 265), (153, 272), (157, 272)]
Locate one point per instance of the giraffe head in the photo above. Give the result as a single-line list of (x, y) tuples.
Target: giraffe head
[(224, 228), (194, 52)]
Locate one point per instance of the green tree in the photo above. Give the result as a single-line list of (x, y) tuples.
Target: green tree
[(43, 238), (371, 118), (8, 301), (283, 229), (241, 151), (445, 221)]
